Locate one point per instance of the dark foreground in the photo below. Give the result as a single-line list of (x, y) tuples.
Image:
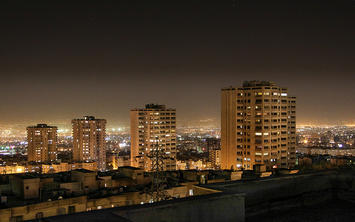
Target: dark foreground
[(329, 211)]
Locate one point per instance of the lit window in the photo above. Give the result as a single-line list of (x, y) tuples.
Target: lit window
[(191, 192)]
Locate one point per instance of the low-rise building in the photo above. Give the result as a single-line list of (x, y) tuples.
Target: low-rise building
[(86, 178), (25, 186)]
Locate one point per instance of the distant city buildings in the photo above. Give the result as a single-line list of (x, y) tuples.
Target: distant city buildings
[(154, 125), (335, 137), (258, 126), (89, 141), (42, 143)]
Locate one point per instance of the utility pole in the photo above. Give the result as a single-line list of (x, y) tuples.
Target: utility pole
[(157, 157)]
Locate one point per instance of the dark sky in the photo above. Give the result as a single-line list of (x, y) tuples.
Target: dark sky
[(61, 61)]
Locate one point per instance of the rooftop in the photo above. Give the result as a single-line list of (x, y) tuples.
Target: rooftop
[(154, 106), (129, 167), (42, 125), (258, 83), (89, 118), (83, 171)]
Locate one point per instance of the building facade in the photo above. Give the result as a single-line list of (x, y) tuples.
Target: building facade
[(258, 126), (214, 157), (152, 126), (213, 144), (42, 143), (89, 141), (214, 152)]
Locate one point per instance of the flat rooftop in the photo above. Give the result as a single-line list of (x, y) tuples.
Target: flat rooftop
[(41, 125), (258, 83)]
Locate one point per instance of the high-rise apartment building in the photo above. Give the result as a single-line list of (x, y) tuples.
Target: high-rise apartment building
[(213, 144), (152, 126), (89, 141), (258, 124), (42, 143), (214, 151), (214, 156)]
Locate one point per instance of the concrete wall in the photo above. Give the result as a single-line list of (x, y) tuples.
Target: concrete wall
[(31, 188), (5, 188), (134, 198), (48, 209), (87, 179), (211, 209), (71, 186), (270, 194), (25, 188)]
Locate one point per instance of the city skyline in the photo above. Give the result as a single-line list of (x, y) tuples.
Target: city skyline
[(179, 110), (58, 63)]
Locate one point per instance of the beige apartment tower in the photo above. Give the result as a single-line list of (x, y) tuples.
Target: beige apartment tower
[(89, 141), (42, 143), (214, 156), (154, 125), (258, 126)]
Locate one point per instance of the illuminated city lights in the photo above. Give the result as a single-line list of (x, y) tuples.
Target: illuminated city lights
[(171, 144)]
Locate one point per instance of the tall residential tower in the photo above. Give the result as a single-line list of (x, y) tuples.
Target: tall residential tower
[(258, 124), (152, 126), (89, 141), (42, 143)]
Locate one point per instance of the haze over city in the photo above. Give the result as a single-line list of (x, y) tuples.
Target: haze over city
[(59, 63)]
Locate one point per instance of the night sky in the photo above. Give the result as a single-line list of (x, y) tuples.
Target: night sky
[(102, 58)]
